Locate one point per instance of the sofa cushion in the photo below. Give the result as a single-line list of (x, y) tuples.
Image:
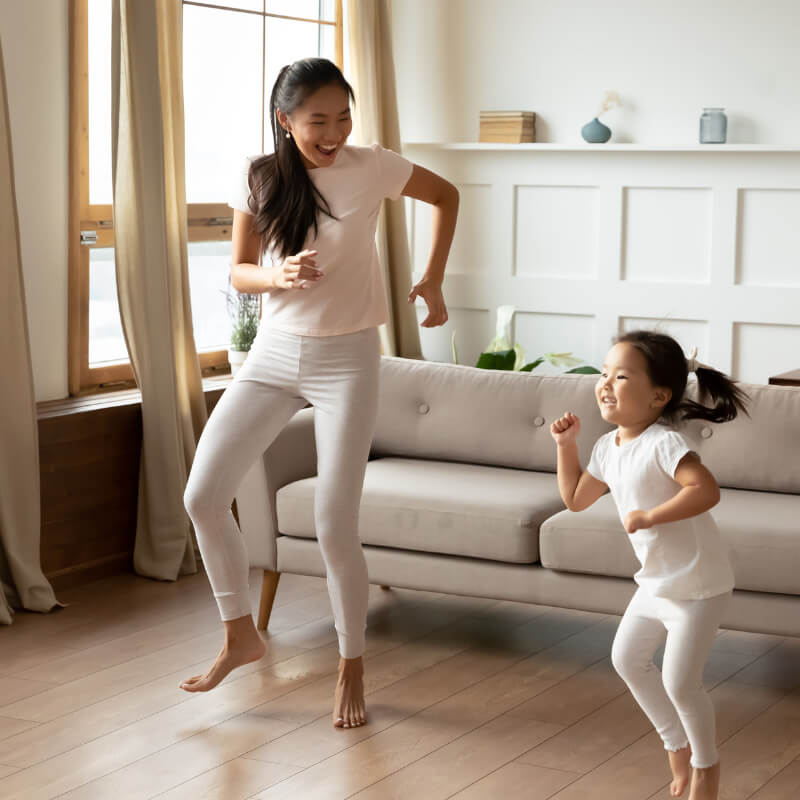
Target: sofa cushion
[(762, 531), (439, 507), (456, 413)]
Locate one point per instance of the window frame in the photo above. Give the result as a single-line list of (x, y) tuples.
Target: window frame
[(207, 222)]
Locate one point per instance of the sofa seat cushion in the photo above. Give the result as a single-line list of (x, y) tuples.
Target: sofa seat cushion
[(761, 529), (439, 507)]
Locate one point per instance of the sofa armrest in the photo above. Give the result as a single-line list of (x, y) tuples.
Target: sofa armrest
[(292, 456)]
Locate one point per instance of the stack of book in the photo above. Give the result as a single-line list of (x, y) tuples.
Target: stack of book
[(507, 126)]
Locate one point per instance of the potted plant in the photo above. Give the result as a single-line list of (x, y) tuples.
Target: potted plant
[(243, 310), (502, 354)]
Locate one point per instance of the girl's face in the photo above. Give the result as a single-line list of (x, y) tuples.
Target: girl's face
[(320, 126), (625, 394)]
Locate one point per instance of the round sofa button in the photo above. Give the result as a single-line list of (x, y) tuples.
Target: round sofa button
[(424, 408), (706, 432), (538, 421)]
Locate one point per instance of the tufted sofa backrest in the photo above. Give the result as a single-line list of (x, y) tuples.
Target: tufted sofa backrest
[(456, 413)]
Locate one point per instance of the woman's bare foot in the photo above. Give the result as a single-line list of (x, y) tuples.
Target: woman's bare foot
[(705, 783), (349, 709), (242, 646), (681, 770)]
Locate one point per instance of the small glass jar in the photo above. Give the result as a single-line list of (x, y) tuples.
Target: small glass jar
[(713, 126)]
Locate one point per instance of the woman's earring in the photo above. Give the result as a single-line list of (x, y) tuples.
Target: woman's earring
[(288, 135)]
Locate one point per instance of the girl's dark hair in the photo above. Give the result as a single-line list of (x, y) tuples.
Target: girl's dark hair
[(668, 368), (283, 199)]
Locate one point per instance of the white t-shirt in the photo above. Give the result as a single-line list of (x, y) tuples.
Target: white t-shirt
[(684, 560), (350, 296)]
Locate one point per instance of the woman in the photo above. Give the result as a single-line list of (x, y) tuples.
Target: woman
[(311, 209)]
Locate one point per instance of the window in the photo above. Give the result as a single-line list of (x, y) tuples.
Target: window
[(232, 53)]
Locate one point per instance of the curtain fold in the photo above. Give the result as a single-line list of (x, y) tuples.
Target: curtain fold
[(376, 120), (22, 581), (151, 256)]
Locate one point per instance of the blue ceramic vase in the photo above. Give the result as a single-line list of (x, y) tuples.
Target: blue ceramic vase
[(595, 132)]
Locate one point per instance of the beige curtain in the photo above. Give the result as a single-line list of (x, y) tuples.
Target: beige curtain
[(23, 583), (368, 25), (152, 271)]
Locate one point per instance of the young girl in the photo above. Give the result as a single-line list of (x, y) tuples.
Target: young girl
[(311, 209), (663, 494)]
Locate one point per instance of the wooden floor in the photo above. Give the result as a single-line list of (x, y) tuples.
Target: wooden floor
[(468, 698)]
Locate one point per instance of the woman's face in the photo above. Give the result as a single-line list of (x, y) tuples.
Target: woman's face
[(320, 126)]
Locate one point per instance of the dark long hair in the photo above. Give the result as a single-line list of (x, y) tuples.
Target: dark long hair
[(283, 198), (668, 368)]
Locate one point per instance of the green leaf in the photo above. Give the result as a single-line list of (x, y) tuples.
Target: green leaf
[(587, 370), (504, 359), (532, 365)]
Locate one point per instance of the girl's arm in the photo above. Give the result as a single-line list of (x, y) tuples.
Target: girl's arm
[(248, 277), (443, 196), (578, 488), (699, 493)]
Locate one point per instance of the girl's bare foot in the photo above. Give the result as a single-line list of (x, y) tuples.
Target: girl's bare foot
[(242, 646), (349, 709), (681, 770), (705, 783)]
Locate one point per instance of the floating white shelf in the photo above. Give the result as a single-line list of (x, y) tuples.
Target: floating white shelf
[(614, 147)]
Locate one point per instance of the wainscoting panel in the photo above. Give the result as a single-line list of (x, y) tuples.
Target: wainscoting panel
[(769, 237), (588, 241), (556, 231), (758, 349), (667, 235)]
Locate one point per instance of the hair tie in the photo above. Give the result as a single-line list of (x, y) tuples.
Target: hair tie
[(692, 364)]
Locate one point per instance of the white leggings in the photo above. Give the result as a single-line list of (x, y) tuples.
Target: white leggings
[(674, 700), (338, 375)]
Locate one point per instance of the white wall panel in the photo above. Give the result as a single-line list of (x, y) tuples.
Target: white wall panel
[(556, 231), (760, 350), (555, 333), (769, 237), (472, 330), (688, 333), (471, 251), (667, 234)]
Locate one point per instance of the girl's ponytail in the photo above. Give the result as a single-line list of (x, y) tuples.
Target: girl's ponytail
[(728, 398)]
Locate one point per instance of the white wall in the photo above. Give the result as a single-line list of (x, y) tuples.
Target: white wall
[(556, 57), (34, 34), (594, 228)]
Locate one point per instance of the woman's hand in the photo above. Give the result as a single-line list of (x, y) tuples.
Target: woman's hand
[(297, 269), (637, 520), (431, 292), (566, 429)]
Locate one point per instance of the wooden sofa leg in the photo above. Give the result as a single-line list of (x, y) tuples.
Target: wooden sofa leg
[(269, 585)]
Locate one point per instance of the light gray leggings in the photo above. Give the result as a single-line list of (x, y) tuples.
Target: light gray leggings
[(338, 375)]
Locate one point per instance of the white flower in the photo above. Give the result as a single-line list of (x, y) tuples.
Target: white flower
[(610, 100)]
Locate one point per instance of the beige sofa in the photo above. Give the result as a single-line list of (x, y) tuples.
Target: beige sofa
[(460, 496)]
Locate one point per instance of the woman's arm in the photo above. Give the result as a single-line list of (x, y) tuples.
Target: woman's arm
[(699, 493), (249, 278), (443, 196)]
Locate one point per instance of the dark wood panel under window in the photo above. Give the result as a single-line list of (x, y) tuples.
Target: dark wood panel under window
[(89, 453)]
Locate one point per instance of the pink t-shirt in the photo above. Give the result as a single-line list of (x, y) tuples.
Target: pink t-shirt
[(350, 296)]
